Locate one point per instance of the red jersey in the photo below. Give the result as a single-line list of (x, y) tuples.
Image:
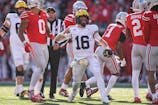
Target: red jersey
[(151, 18), (134, 24), (112, 35), (36, 29)]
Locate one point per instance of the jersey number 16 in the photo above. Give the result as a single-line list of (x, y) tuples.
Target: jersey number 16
[(82, 42)]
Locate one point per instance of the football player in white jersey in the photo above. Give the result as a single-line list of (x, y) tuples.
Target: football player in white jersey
[(20, 57), (83, 37), (70, 20), (114, 35)]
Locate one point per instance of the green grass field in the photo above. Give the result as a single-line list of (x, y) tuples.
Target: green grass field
[(122, 96)]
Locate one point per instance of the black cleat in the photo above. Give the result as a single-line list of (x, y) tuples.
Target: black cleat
[(51, 96), (42, 95), (110, 98), (82, 88), (22, 94)]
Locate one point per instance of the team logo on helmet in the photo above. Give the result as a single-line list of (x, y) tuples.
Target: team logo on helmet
[(82, 13)]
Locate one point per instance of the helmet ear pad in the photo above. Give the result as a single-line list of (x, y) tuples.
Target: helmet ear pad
[(79, 20)]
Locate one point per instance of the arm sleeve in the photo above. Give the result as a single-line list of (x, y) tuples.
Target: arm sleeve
[(97, 36), (96, 33)]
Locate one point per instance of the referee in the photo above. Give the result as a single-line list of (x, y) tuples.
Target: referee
[(56, 26)]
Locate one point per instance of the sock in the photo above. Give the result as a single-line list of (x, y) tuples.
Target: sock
[(35, 77), (149, 90), (18, 89), (153, 96), (90, 81), (135, 82), (111, 83), (74, 88), (100, 84), (87, 86), (38, 86), (64, 86)]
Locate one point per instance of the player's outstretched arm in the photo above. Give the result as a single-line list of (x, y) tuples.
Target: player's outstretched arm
[(63, 36), (99, 39)]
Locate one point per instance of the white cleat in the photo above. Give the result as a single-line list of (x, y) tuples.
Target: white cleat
[(71, 97), (106, 100)]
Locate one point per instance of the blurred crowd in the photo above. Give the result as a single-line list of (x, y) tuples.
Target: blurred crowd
[(102, 12)]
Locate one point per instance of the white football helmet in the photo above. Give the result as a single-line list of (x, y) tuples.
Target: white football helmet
[(139, 5), (33, 3), (79, 5), (121, 18), (152, 3)]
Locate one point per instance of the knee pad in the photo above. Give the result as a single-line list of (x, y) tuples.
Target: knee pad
[(19, 73), (83, 63)]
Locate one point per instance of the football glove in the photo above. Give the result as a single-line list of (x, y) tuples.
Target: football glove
[(123, 62), (107, 53), (51, 36), (28, 47)]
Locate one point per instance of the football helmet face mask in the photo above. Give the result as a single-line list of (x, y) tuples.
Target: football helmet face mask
[(79, 5), (139, 5), (69, 20), (121, 18), (82, 17), (151, 3)]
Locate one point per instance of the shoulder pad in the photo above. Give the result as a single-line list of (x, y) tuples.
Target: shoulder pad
[(25, 14), (146, 16), (94, 27)]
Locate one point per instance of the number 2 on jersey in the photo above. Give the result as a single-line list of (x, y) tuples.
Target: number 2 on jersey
[(137, 28), (41, 25)]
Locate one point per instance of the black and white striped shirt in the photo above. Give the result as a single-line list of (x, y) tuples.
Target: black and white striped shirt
[(56, 27)]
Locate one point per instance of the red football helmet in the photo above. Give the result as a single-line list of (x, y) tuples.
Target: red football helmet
[(69, 20)]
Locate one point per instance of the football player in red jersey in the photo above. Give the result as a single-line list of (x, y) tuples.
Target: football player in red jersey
[(134, 30), (150, 31), (34, 23)]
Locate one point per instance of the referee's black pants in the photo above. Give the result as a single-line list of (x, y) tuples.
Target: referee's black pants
[(54, 57)]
